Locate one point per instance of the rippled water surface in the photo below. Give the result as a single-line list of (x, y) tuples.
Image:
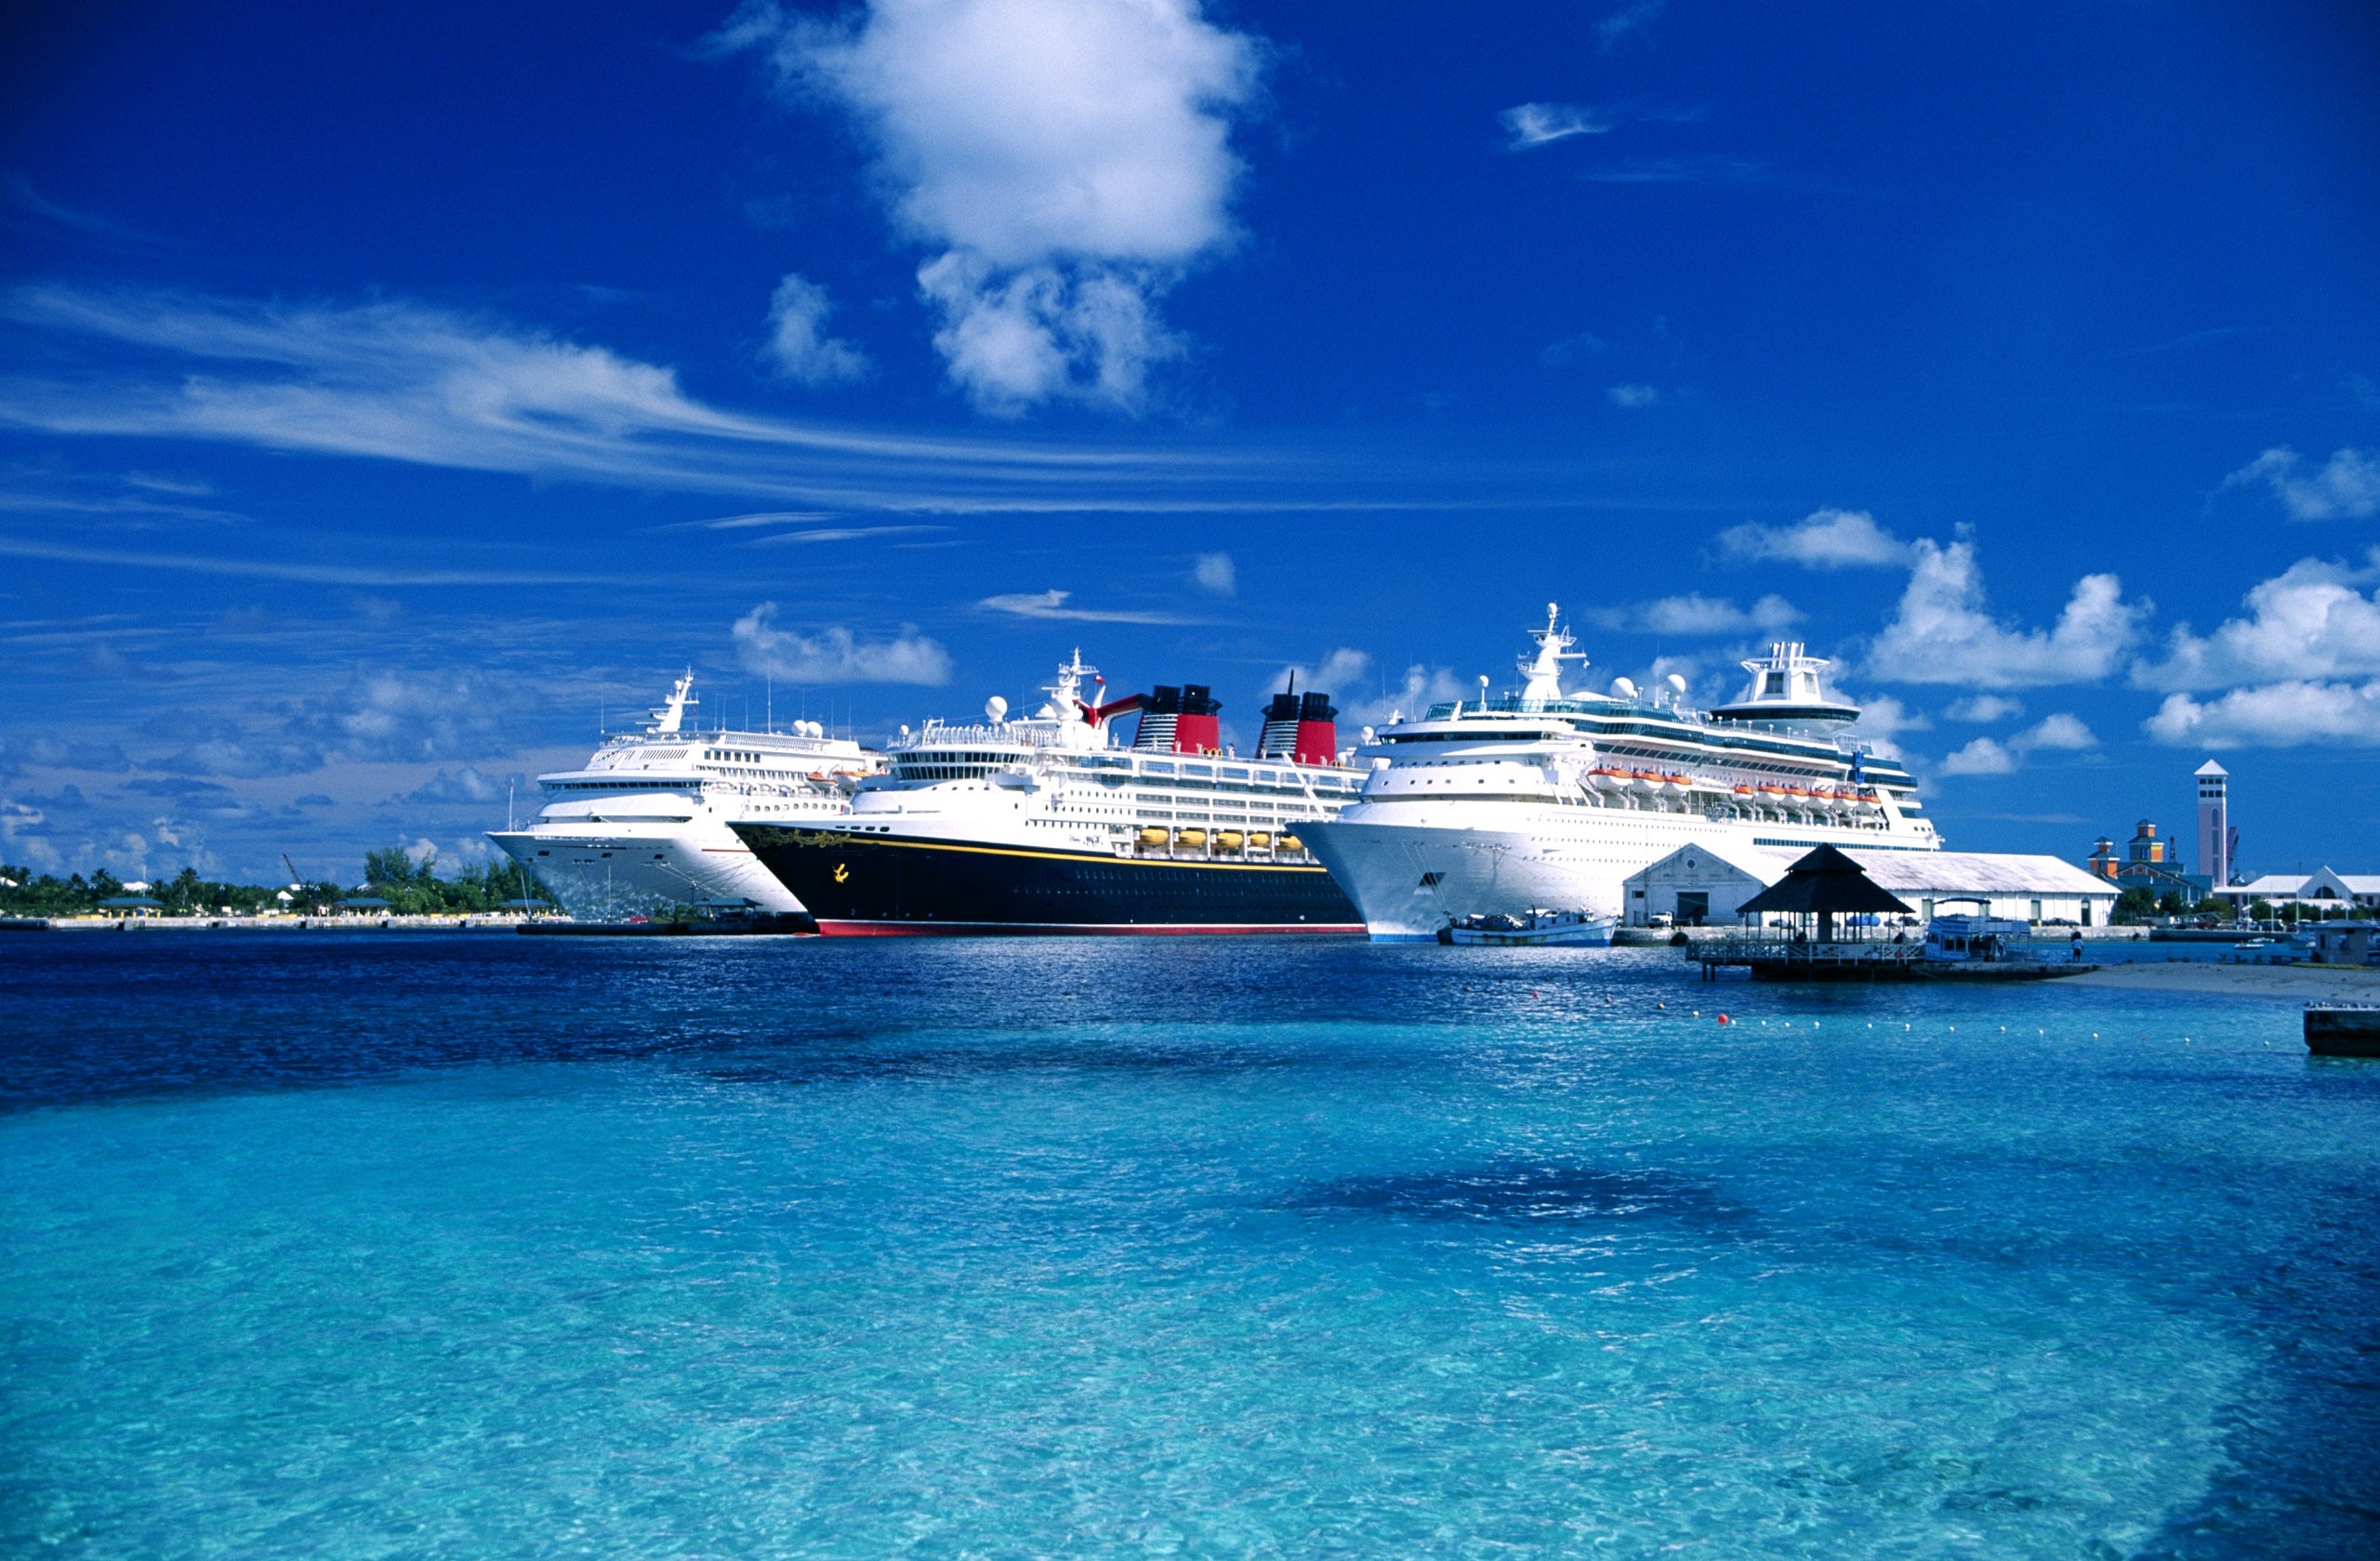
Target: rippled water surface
[(360, 1245)]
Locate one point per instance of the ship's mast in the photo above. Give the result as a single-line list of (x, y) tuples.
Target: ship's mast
[(1544, 670), (672, 715)]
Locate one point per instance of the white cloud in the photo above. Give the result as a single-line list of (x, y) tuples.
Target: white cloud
[(836, 655), (2346, 485), (2280, 715), (1882, 719), (1345, 674), (1215, 573), (834, 534), (1067, 157), (1697, 614), (1942, 634), (1984, 708), (797, 346), (1016, 338), (1535, 125), (2309, 622), (1982, 757), (1985, 757), (2060, 730), (1634, 16), (1571, 349), (405, 382), (1823, 539), (1052, 604), (464, 786), (1633, 396)]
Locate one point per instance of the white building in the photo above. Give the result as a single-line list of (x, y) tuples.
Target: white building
[(1704, 884), (2321, 889), (2214, 822)]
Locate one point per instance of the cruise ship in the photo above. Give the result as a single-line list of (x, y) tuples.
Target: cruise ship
[(644, 825), (1048, 824), (1550, 798)]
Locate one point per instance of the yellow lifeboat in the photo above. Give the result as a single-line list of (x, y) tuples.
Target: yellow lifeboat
[(1192, 837), (1228, 839), (1259, 838), (1154, 837), (1291, 842)]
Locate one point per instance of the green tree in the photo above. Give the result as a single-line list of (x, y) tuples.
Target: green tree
[(2137, 903)]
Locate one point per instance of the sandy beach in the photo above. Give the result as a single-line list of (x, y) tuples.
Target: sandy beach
[(2289, 983)]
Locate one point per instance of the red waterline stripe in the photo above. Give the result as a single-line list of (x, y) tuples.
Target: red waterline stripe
[(1099, 929)]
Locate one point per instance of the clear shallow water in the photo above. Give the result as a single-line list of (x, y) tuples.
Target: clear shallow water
[(357, 1245)]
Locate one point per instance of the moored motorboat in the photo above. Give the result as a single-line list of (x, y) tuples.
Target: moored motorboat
[(1529, 929)]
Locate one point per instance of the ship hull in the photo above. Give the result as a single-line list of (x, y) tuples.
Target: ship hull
[(1410, 880), (900, 886), (610, 871)]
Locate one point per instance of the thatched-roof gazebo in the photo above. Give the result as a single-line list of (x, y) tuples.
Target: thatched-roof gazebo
[(1826, 884)]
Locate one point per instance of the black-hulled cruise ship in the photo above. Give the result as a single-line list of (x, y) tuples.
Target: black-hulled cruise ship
[(1049, 825)]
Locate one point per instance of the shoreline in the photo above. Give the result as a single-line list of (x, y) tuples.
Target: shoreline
[(2291, 983)]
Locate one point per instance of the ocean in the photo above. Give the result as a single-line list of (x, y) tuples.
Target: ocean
[(358, 1244)]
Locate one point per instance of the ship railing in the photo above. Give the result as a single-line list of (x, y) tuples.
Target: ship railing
[(1753, 947)]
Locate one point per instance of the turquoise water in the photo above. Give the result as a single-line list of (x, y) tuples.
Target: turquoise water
[(354, 1244)]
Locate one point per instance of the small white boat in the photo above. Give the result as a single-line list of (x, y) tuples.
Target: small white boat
[(1529, 929)]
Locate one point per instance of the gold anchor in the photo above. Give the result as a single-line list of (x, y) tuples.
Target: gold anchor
[(841, 872)]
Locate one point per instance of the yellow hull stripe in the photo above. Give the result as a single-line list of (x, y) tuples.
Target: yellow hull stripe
[(830, 843)]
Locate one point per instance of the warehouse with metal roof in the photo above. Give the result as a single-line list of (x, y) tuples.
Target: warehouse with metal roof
[(1698, 885)]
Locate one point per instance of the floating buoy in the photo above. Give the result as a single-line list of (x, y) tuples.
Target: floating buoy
[(1660, 1005), (1725, 1020)]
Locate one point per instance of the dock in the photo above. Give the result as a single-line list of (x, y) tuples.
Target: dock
[(1776, 958), (2343, 1030)]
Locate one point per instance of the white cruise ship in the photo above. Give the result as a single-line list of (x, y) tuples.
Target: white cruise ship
[(645, 824), (1550, 798), (1049, 825)]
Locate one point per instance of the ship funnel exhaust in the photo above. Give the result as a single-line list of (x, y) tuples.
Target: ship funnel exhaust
[(1179, 719), (1317, 731), (1302, 728)]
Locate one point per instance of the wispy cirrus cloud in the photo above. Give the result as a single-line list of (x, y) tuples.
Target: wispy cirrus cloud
[(1629, 20), (1694, 614), (1529, 126), (305, 574), (1052, 604), (1690, 169), (434, 387), (835, 534), (430, 386)]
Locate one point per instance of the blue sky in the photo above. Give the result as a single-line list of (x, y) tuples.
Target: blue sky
[(385, 392)]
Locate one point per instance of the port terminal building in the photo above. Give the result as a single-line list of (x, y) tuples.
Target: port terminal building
[(1704, 885), (2324, 890)]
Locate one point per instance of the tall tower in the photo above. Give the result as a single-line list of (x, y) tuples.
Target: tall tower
[(2214, 822)]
